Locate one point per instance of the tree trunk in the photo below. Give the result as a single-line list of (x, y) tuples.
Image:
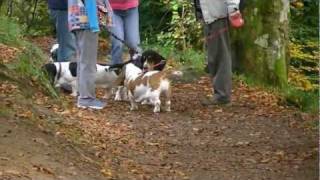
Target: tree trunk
[(261, 46)]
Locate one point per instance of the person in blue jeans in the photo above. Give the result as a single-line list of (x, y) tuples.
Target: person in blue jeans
[(125, 25), (59, 14)]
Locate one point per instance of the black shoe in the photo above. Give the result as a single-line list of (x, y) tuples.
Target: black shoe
[(206, 68), (212, 101)]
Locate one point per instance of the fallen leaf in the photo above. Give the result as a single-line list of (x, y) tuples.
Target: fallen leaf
[(106, 172), (43, 169)]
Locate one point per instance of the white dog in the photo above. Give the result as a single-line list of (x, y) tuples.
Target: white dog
[(147, 86), (66, 73)]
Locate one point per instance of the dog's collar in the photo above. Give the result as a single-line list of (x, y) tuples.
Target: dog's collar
[(59, 72), (156, 65)]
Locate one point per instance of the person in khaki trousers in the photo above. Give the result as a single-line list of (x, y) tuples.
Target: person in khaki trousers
[(216, 16)]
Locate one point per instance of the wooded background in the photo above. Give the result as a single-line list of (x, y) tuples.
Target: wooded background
[(278, 44)]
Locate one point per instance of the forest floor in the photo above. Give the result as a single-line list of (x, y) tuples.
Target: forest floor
[(257, 138)]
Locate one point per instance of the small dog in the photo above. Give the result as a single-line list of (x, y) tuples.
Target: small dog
[(147, 86), (147, 61), (66, 73)]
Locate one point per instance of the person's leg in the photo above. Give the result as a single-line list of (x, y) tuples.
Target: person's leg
[(87, 42), (219, 60), (116, 45), (66, 40), (131, 28)]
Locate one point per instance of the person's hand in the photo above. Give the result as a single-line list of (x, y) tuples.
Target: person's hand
[(236, 19)]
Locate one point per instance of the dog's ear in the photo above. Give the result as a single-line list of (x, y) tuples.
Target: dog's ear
[(73, 68), (121, 77), (51, 71), (117, 70)]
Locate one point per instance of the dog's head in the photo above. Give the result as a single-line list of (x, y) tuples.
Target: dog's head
[(54, 53), (152, 60), (51, 71)]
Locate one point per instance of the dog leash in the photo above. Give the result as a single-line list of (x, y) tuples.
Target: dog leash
[(156, 65), (117, 38)]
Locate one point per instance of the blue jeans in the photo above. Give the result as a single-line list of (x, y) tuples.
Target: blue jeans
[(66, 40), (126, 27)]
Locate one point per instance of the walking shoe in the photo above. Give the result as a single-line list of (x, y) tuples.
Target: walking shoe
[(91, 103), (206, 69), (213, 101)]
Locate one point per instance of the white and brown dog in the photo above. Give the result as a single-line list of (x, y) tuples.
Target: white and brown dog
[(147, 61), (66, 73), (147, 86)]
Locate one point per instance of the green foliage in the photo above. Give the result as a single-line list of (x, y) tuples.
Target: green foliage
[(154, 18), (10, 33), (305, 19), (29, 65), (30, 58), (304, 46), (31, 15), (189, 58), (306, 101), (177, 26)]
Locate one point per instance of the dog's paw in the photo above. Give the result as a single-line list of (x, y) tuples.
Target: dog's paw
[(156, 109), (133, 108), (74, 94), (168, 109), (117, 98)]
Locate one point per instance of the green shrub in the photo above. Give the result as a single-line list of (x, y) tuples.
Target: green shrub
[(306, 101), (10, 32), (27, 65)]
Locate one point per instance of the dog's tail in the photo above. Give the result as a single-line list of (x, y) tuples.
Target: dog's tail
[(173, 74)]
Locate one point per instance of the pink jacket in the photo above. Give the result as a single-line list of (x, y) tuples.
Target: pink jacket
[(123, 4)]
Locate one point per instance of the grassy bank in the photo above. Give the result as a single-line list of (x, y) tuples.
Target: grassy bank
[(20, 59)]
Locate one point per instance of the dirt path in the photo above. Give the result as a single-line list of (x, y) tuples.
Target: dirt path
[(26, 152), (257, 138)]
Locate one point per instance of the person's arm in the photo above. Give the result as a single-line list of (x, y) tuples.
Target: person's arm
[(235, 16), (233, 5), (105, 12)]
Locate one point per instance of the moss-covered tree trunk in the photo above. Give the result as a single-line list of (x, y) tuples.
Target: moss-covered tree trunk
[(261, 46)]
